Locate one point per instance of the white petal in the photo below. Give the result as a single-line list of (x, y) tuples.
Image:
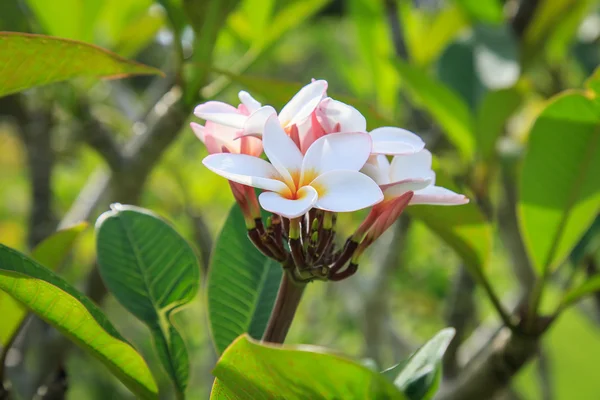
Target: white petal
[(348, 151), (255, 124), (275, 203), (410, 166), (250, 102), (378, 169), (281, 150), (303, 103), (221, 113), (346, 191), (333, 112), (389, 140), (247, 170), (397, 189), (437, 195)]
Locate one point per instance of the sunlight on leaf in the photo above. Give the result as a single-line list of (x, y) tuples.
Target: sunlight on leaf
[(73, 314), (63, 59)]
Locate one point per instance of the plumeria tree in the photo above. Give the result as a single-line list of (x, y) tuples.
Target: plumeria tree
[(290, 252)]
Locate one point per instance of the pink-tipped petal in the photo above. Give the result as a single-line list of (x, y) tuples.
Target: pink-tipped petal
[(439, 196), (275, 203), (251, 146), (332, 113), (346, 191), (220, 113), (303, 103), (281, 150), (338, 151), (247, 170), (248, 101), (199, 131), (394, 141), (411, 166), (255, 124), (397, 189)]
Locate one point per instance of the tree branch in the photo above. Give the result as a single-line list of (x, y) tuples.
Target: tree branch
[(460, 316), (493, 369)]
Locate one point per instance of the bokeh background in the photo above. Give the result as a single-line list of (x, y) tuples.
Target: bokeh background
[(406, 290)]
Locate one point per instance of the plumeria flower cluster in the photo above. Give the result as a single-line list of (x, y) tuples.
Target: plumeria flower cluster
[(321, 161)]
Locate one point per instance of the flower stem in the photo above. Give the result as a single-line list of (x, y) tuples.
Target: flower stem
[(288, 299)]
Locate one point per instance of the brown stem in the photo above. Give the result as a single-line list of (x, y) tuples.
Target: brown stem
[(288, 299)]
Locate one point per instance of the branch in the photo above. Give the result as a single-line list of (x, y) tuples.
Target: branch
[(493, 369), (378, 332), (35, 130), (461, 316), (98, 137)]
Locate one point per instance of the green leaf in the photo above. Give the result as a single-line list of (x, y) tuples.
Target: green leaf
[(464, 228), (419, 376), (444, 105), (77, 23), (585, 289), (427, 34), (51, 252), (242, 285), (559, 185), (23, 68), (251, 370), (63, 307), (152, 272), (492, 114), (487, 11)]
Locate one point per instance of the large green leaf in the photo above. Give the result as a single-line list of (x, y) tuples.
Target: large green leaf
[(242, 285), (152, 272), (444, 105), (35, 60), (464, 228), (559, 185), (62, 306), (51, 252), (250, 370), (420, 376)]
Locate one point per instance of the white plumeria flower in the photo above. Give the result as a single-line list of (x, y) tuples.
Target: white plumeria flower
[(326, 177), (411, 172), (395, 141), (297, 110)]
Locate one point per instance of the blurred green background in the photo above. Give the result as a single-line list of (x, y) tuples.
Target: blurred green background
[(270, 48)]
